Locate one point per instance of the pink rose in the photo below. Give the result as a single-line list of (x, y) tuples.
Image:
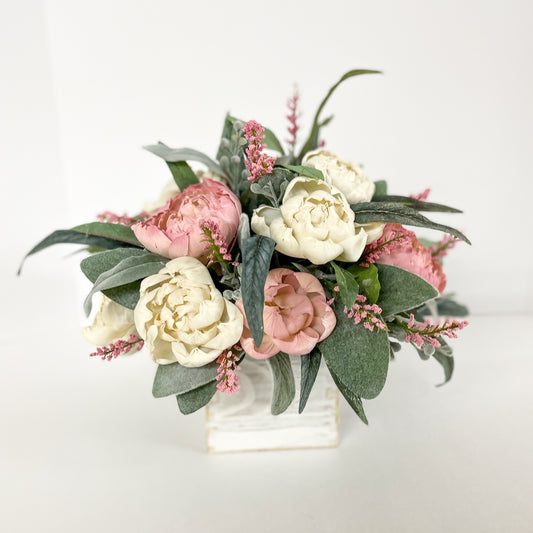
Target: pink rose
[(296, 315), (410, 254), (175, 230)]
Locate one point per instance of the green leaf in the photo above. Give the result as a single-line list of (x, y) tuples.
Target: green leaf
[(256, 255), (117, 232), (182, 174), (353, 400), (447, 307), (368, 280), (348, 286), (284, 387), (173, 155), (128, 270), (191, 401), (443, 355), (401, 290), (272, 141), (312, 140), (309, 172), (359, 357), (178, 379), (415, 204), (310, 366), (381, 188), (367, 212), (68, 236)]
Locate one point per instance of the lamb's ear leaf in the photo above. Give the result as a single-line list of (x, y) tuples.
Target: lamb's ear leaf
[(191, 401), (310, 366), (284, 386), (353, 400)]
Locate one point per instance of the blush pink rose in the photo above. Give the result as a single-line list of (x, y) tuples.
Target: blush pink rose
[(413, 256), (295, 317), (175, 230)]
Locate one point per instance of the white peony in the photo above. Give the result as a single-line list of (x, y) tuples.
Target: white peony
[(314, 222), (112, 322), (182, 316), (348, 178)]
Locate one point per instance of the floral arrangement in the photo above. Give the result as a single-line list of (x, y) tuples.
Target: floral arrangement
[(269, 253)]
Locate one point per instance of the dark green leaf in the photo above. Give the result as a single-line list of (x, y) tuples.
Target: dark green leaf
[(128, 270), (309, 172), (256, 255), (312, 140), (173, 155), (368, 280), (178, 379), (284, 387), (353, 400), (348, 286), (310, 366), (195, 399), (401, 290), (415, 204), (68, 236), (272, 141), (359, 357), (117, 232), (381, 188), (368, 212), (182, 174)]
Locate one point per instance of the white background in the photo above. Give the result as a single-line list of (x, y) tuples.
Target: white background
[(85, 84)]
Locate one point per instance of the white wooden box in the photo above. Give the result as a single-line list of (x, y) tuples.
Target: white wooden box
[(243, 422)]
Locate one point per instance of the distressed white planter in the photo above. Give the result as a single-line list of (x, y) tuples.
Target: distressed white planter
[(242, 422)]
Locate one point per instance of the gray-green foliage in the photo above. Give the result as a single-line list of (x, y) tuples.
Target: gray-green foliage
[(353, 399), (310, 365), (190, 402), (178, 379), (348, 286), (284, 386)]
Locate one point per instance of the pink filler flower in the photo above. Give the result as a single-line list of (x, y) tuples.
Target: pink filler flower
[(296, 316), (176, 229)]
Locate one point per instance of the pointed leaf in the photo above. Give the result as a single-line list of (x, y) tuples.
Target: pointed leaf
[(348, 286), (284, 387), (359, 357), (272, 141), (182, 174), (309, 172), (256, 255), (401, 290), (173, 155), (444, 356), (368, 280), (310, 366), (367, 212), (415, 204), (178, 379), (195, 399), (353, 400), (381, 188), (117, 232)]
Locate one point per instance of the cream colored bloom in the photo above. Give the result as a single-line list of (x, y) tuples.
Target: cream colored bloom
[(347, 177), (112, 322), (314, 222), (182, 316)]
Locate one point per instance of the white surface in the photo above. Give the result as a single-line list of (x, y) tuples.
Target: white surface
[(83, 445)]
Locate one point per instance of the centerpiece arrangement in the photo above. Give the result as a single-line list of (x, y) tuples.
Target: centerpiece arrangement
[(274, 254)]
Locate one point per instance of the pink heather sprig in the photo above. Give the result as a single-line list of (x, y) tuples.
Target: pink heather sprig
[(106, 353), (257, 163), (366, 313), (228, 381), (113, 218), (428, 332), (422, 196), (441, 249), (218, 247), (393, 237), (292, 117)]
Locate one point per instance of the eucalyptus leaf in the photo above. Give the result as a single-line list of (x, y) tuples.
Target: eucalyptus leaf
[(173, 155), (272, 141), (68, 236), (256, 255), (128, 270), (353, 400), (310, 364), (415, 204), (381, 188), (98, 263), (312, 140), (284, 386), (309, 172), (183, 174), (348, 286), (401, 290), (359, 357), (191, 401), (117, 232), (368, 212)]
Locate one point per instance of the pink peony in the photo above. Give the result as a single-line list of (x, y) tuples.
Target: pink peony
[(410, 254), (175, 230), (296, 315)]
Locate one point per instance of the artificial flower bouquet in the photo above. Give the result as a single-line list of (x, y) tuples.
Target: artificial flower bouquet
[(298, 254)]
